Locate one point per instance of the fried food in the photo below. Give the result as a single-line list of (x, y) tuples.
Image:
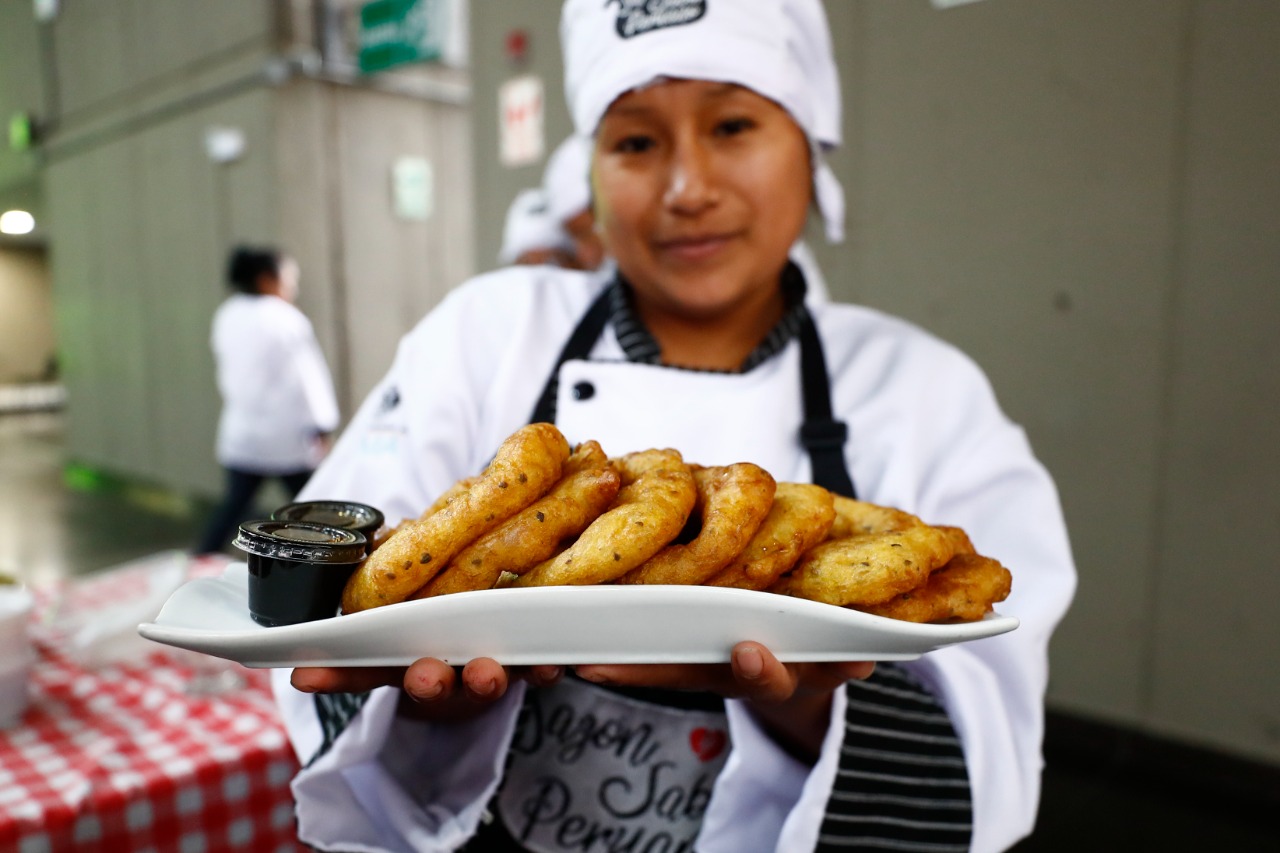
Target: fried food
[(525, 468), (542, 516), (855, 517), (958, 538), (799, 519), (871, 568), (732, 502), (963, 590), (450, 495), (535, 533), (657, 496)]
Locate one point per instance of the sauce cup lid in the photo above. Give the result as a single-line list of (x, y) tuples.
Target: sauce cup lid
[(302, 541), (347, 514)]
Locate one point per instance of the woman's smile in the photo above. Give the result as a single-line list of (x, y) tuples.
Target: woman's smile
[(695, 248)]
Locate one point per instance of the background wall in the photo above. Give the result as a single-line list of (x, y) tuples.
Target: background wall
[(496, 185), (145, 217), (1085, 196), (22, 89), (26, 315)]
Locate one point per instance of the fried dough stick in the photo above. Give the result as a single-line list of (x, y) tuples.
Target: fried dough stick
[(871, 568), (963, 590), (525, 468), (732, 501), (798, 520), (657, 495), (854, 518), (534, 534), (449, 496)]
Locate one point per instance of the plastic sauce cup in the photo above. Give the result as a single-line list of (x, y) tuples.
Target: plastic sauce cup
[(297, 569), (344, 514)]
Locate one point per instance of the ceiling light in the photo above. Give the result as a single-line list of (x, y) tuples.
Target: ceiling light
[(17, 222)]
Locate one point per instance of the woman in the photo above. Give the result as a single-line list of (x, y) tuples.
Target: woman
[(278, 404), (705, 165)]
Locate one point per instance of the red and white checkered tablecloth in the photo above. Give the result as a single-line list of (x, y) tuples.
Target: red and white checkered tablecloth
[(126, 758)]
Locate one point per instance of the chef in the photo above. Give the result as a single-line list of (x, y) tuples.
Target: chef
[(710, 120)]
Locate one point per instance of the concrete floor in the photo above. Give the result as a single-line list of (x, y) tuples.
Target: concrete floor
[(53, 525)]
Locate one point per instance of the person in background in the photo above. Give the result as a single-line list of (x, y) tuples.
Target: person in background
[(552, 223), (710, 122), (278, 402), (567, 183), (530, 237)]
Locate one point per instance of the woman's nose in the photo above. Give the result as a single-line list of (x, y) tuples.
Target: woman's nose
[(691, 185)]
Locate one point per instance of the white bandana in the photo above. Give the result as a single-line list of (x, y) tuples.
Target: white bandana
[(567, 178), (529, 226), (780, 49)]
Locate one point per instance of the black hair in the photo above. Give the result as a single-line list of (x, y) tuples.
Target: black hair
[(248, 263)]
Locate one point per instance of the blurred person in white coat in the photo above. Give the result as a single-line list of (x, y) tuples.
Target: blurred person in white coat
[(710, 120), (278, 401), (552, 223)]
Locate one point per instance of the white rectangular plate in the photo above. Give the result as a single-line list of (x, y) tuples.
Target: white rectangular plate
[(549, 625)]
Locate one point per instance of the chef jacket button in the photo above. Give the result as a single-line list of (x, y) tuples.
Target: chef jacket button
[(584, 391)]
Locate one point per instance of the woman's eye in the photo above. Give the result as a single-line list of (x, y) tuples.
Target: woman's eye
[(635, 144), (734, 126)]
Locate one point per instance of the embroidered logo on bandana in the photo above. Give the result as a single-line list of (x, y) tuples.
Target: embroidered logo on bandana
[(637, 17)]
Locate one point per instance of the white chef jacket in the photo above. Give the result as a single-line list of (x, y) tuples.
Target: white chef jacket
[(925, 434), (277, 394)]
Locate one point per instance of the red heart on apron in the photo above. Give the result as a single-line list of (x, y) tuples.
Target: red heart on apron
[(707, 743)]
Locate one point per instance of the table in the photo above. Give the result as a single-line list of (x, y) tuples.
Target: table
[(126, 757)]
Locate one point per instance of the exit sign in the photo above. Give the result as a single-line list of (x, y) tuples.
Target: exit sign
[(397, 32)]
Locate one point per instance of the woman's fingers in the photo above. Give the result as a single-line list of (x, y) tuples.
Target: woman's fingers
[(484, 680), (852, 671), (324, 679), (753, 673), (759, 675), (713, 678), (539, 676), (429, 680)]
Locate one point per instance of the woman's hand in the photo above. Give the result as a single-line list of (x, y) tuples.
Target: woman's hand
[(791, 701), (432, 690)]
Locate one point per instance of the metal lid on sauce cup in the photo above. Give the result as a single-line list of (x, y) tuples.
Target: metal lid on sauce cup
[(301, 541), (345, 514)]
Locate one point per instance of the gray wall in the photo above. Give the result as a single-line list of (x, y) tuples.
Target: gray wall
[(337, 146), (495, 184), (1085, 196), (21, 90), (145, 218)]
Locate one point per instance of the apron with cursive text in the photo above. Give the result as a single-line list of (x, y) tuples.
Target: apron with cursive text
[(594, 770)]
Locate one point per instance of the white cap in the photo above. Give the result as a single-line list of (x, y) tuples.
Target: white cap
[(567, 178), (780, 49), (530, 226)]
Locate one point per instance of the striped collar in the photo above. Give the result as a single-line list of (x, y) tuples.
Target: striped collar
[(639, 345)]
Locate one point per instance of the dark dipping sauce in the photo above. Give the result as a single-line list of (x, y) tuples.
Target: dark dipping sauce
[(297, 569), (345, 514)]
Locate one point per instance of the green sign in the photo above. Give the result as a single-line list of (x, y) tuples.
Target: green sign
[(21, 131), (396, 32)]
